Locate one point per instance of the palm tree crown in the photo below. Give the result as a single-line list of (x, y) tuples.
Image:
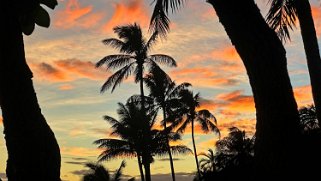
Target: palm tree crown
[(134, 49)]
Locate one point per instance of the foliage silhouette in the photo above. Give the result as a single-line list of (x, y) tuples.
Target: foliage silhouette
[(282, 17), (264, 58), (190, 115), (137, 137), (165, 96), (99, 173)]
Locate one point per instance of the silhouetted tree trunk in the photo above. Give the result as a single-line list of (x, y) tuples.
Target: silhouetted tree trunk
[(194, 149), (140, 165), (310, 42), (264, 57), (33, 152), (168, 146)]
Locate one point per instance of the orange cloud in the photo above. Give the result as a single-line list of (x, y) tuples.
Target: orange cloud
[(237, 102), (128, 12), (66, 87), (74, 15), (67, 70), (49, 72), (1, 120), (226, 53), (243, 124), (316, 13), (303, 95)]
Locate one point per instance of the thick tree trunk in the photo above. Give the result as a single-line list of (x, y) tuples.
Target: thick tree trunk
[(33, 152), (310, 42), (264, 57), (169, 148), (195, 152)]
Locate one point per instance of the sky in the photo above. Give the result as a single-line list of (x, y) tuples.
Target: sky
[(62, 59)]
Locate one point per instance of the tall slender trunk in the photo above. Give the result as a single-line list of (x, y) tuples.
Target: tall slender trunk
[(33, 152), (147, 171), (311, 47), (195, 152), (140, 165), (168, 147), (141, 86), (263, 55)]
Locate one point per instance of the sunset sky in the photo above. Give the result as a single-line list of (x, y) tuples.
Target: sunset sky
[(62, 59)]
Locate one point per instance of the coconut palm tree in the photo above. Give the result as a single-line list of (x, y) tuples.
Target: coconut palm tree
[(134, 57), (308, 118), (137, 138), (25, 128), (99, 173), (165, 96), (207, 164), (263, 56), (236, 148), (282, 17), (206, 120)]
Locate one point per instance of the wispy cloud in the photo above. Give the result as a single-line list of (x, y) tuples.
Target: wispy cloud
[(67, 70), (126, 12), (76, 15)]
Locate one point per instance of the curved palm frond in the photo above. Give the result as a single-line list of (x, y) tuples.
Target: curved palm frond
[(282, 17), (117, 78), (120, 62), (180, 149), (152, 40), (159, 20), (115, 43), (97, 172), (163, 59), (118, 174), (132, 36), (110, 58)]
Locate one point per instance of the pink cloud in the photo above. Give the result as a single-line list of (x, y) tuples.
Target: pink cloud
[(67, 70), (128, 12), (76, 15)]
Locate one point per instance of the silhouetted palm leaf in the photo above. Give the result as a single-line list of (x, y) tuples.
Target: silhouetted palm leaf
[(281, 17)]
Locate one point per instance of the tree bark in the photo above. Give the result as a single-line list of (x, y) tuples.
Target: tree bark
[(147, 171), (33, 152), (311, 47), (168, 147), (263, 55)]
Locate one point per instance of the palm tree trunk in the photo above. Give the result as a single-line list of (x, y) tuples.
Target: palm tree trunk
[(33, 151), (147, 171), (141, 86), (168, 148), (263, 55), (195, 152), (311, 48), (140, 166)]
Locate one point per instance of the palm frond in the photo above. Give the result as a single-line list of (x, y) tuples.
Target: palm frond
[(111, 58), (281, 17), (180, 149), (164, 59), (115, 43), (110, 120), (120, 62), (117, 78), (159, 21), (152, 40), (118, 174)]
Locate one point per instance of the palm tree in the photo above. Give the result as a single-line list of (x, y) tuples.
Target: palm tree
[(207, 120), (25, 128), (134, 57), (207, 164), (99, 173), (282, 17), (137, 137), (236, 149), (263, 56), (308, 118), (165, 95)]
